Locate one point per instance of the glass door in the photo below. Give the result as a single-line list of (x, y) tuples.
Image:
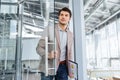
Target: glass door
[(37, 15), (22, 23), (8, 32)]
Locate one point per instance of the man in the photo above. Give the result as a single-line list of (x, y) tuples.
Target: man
[(64, 40)]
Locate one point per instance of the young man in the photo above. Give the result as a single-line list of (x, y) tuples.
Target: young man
[(64, 40)]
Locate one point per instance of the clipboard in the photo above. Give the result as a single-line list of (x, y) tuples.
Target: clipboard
[(73, 69)]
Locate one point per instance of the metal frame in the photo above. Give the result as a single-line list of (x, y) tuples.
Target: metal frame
[(79, 38)]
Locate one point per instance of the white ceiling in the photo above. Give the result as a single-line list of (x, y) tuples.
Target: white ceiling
[(38, 12), (98, 11)]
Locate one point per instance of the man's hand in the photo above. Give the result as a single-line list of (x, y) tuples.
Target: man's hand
[(71, 75), (53, 55)]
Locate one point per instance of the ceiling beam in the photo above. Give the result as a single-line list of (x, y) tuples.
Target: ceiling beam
[(94, 10), (113, 15), (87, 4), (42, 27), (9, 3), (114, 3)]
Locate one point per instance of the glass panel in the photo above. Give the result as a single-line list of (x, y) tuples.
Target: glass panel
[(115, 63), (8, 26), (118, 32), (10, 9), (113, 44), (10, 1), (107, 51), (104, 52), (37, 16)]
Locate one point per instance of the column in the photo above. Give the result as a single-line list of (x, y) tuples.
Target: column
[(79, 38)]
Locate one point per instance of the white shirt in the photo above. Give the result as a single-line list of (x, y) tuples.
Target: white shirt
[(63, 43)]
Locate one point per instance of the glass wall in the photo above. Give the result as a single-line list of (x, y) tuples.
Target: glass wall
[(21, 25), (37, 16), (8, 32), (103, 50)]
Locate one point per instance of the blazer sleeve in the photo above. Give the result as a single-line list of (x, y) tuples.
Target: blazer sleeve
[(40, 49), (48, 32)]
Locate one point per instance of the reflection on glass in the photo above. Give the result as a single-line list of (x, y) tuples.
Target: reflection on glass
[(8, 26), (8, 9), (11, 1), (107, 60), (7, 47), (36, 17)]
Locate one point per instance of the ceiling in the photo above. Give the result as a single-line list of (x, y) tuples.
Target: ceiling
[(37, 13), (98, 12)]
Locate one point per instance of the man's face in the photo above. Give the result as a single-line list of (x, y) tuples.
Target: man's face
[(64, 17)]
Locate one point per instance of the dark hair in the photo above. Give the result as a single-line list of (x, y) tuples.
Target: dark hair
[(65, 9)]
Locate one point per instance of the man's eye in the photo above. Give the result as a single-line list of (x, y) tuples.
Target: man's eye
[(66, 15), (61, 14)]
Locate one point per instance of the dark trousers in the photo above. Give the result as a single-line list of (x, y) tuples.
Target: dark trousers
[(62, 72), (49, 77)]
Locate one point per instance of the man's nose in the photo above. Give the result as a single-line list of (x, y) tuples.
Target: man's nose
[(63, 16)]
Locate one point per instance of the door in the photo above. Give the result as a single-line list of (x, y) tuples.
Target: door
[(8, 32)]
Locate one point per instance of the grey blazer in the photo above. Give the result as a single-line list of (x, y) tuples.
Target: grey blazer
[(53, 35)]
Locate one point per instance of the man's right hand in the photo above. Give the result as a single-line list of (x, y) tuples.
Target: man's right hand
[(53, 55)]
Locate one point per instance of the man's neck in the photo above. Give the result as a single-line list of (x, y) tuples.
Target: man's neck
[(63, 27)]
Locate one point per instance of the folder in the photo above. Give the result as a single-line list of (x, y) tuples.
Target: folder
[(73, 69)]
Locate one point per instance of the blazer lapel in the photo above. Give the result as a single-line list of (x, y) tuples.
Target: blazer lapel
[(68, 39), (69, 42), (57, 37)]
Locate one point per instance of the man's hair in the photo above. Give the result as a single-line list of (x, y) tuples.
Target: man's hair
[(65, 9)]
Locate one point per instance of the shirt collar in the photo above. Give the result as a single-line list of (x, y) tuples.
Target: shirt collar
[(59, 28)]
